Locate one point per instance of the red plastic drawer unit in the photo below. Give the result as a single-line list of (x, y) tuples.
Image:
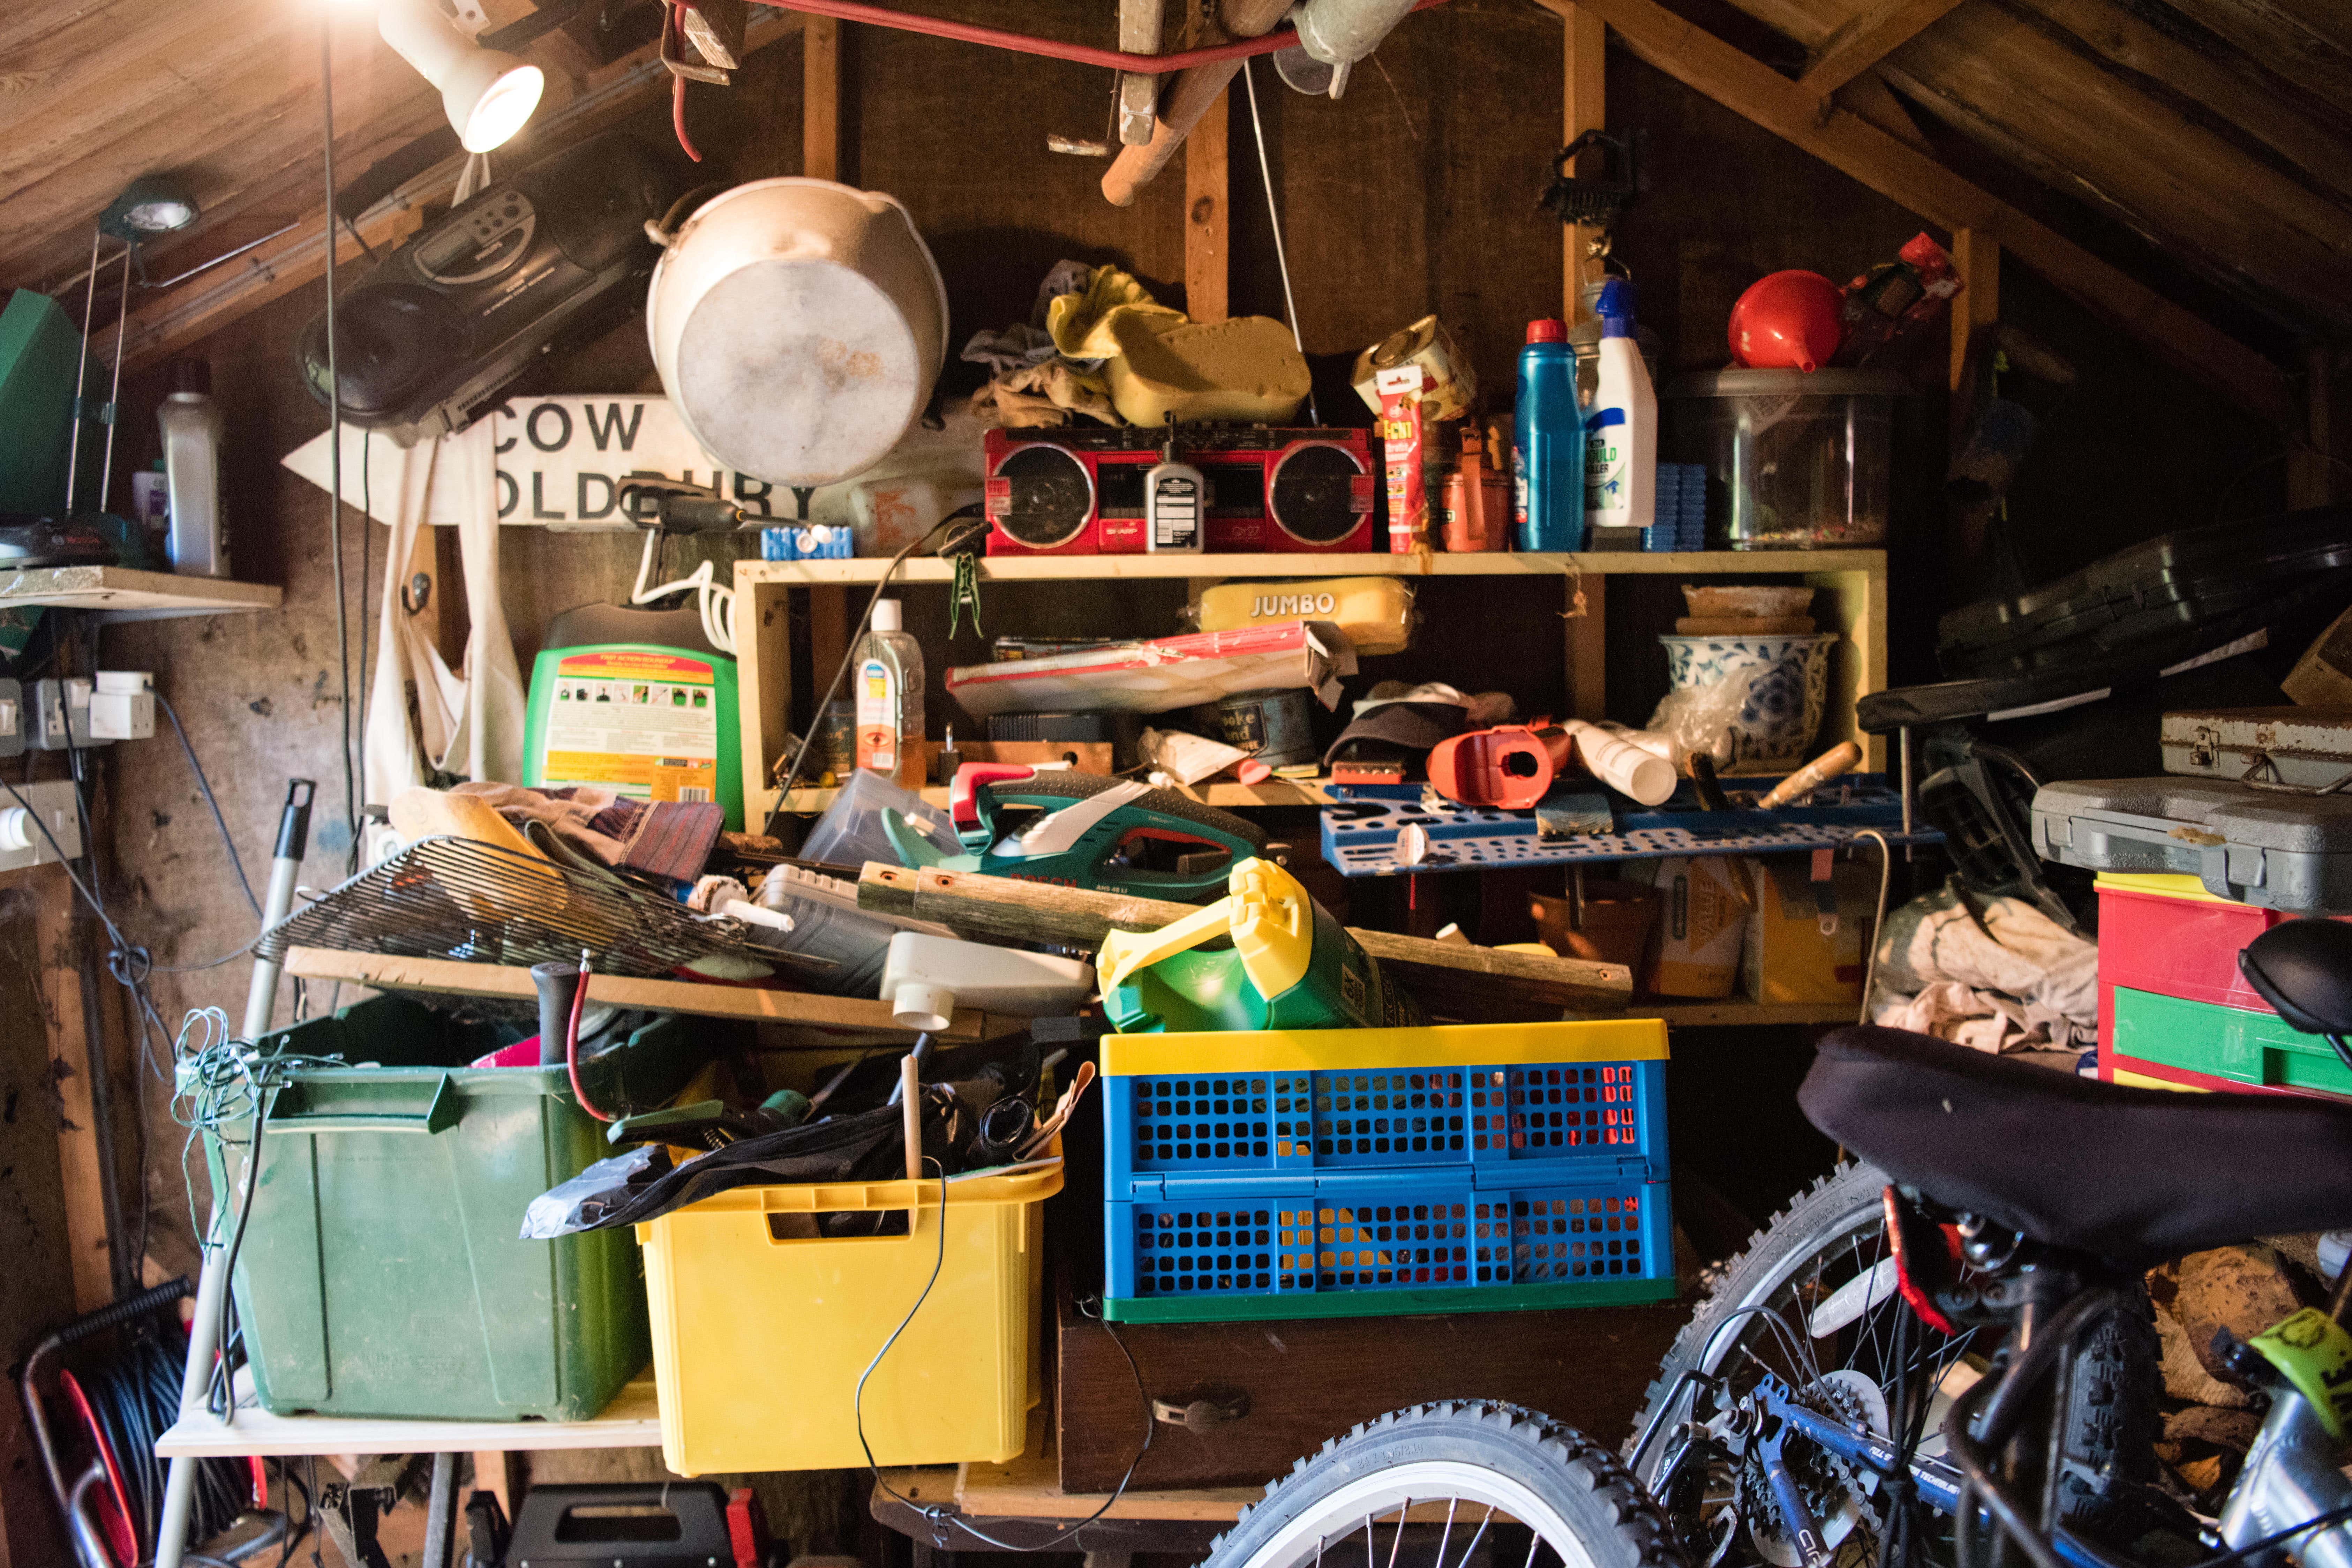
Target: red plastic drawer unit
[(2165, 935)]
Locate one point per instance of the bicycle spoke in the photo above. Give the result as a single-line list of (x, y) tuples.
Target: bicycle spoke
[(1470, 1551)]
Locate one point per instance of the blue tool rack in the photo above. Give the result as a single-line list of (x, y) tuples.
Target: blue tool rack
[(1359, 834)]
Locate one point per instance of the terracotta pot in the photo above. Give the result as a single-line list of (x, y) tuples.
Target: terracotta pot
[(1616, 925)]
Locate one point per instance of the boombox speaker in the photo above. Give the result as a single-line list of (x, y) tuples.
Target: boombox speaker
[(1080, 492)]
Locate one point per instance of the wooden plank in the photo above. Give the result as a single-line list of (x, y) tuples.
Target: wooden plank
[(2090, 132), (1976, 257), (1208, 217), (1748, 87), (632, 1420), (2307, 44), (65, 1008), (820, 98), (1869, 98), (1584, 42), (1875, 32), (1496, 563), (511, 983), (1855, 602), (1587, 648), (2311, 473), (2246, 99), (763, 671), (121, 588), (1451, 978)]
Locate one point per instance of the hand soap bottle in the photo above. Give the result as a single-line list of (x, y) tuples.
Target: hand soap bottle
[(888, 680)]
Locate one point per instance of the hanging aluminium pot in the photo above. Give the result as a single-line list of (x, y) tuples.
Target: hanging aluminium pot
[(798, 326)]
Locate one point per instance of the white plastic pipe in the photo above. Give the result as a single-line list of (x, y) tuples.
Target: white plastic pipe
[(1621, 764)]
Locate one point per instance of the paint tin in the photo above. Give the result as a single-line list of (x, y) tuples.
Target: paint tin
[(1275, 727)]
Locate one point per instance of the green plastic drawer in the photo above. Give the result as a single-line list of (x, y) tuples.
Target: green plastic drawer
[(2234, 1043), (382, 1271)]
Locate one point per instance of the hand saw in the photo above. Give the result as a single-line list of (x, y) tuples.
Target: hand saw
[(1082, 830)]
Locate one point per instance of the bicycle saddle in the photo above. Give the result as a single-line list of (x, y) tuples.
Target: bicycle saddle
[(2303, 970), (2133, 1174)]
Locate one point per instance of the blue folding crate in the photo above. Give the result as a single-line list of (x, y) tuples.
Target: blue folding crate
[(1359, 1172)]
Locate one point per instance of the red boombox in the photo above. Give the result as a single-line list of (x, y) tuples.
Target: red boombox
[(1080, 492)]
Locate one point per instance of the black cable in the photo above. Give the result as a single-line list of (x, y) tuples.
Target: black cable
[(335, 432), (935, 1515), (205, 786)]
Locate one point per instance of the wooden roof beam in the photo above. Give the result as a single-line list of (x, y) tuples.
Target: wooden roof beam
[(1753, 91), (1875, 32)]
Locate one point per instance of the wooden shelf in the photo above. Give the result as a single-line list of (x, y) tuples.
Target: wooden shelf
[(120, 593), (1224, 793), (1501, 564), (631, 1421), (1734, 1011)]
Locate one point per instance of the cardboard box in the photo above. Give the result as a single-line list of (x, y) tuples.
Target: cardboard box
[(1788, 956)]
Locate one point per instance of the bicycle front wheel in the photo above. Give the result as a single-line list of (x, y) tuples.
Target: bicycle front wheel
[(1473, 1484)]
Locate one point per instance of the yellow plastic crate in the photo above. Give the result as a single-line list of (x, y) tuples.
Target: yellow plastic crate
[(759, 1338)]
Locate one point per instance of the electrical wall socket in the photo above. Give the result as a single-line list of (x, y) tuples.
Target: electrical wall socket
[(22, 843), (14, 720), (61, 714)]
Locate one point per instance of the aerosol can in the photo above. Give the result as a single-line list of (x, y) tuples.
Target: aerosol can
[(1292, 965), (1175, 500)]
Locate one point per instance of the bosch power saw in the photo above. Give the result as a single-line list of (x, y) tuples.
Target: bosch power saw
[(1082, 830)]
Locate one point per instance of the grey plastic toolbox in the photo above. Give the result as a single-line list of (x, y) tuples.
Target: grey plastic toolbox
[(2263, 847)]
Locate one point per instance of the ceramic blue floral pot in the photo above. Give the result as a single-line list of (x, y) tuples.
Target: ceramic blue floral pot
[(1775, 726)]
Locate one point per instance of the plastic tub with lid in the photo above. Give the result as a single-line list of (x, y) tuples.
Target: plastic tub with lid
[(1795, 459)]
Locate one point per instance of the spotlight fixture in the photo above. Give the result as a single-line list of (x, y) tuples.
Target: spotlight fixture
[(486, 95), (152, 205)]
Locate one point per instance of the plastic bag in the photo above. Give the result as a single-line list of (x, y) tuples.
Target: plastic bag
[(850, 832), (1699, 718), (644, 1184)]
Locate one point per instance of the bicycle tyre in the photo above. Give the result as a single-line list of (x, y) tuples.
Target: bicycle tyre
[(1572, 1491), (2114, 1418)]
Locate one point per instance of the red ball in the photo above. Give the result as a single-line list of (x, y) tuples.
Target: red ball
[(1787, 320)]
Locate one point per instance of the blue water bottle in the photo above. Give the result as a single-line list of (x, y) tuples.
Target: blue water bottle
[(1548, 444)]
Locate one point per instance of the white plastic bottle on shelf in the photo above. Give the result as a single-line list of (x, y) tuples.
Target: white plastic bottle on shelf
[(197, 543), (888, 677), (1620, 428)]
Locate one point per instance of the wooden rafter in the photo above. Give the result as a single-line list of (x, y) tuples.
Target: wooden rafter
[(1901, 173), (1875, 33)]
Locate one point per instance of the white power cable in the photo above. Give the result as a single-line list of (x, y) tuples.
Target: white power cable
[(716, 603), (1274, 216)]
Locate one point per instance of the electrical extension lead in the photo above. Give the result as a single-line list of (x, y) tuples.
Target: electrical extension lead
[(939, 1518), (972, 528)]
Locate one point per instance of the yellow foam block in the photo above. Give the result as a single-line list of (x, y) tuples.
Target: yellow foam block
[(1375, 613), (1247, 369)]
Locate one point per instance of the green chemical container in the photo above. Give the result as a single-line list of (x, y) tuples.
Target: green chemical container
[(382, 1271)]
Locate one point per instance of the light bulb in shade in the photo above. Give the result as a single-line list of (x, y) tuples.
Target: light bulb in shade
[(501, 109), (486, 95)]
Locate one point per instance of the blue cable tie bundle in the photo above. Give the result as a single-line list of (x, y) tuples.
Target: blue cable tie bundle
[(816, 541)]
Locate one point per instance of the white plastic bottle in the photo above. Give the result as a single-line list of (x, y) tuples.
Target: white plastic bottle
[(1621, 451), (888, 677), (197, 543)]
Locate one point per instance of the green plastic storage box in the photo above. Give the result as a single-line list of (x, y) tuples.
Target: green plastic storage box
[(2235, 1046), (382, 1271)]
